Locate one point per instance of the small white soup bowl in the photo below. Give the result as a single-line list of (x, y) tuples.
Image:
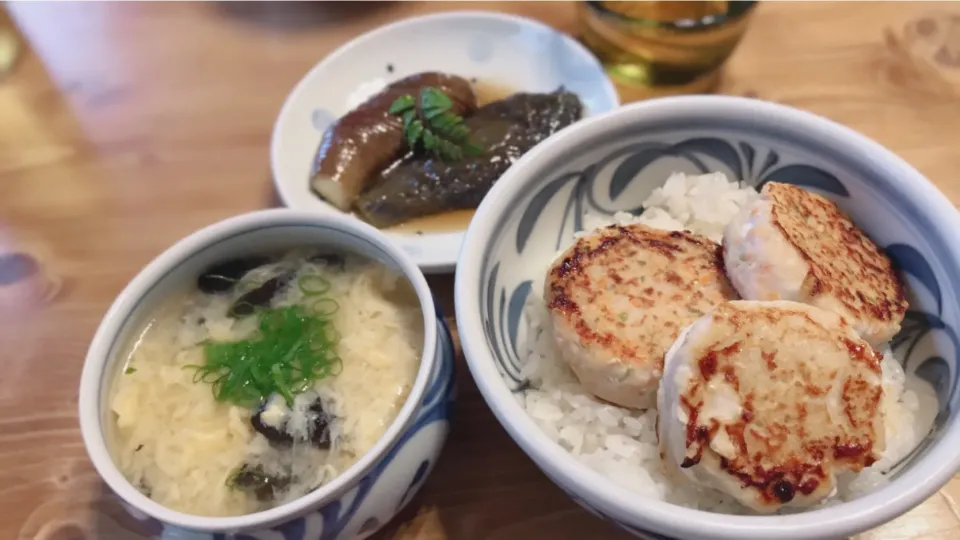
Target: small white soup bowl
[(370, 492), (612, 163)]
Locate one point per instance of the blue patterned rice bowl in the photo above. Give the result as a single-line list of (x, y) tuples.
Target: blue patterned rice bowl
[(609, 169)]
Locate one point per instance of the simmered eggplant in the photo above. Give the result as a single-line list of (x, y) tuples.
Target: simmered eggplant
[(368, 138), (505, 129)]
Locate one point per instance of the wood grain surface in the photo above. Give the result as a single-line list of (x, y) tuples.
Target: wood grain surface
[(127, 126)]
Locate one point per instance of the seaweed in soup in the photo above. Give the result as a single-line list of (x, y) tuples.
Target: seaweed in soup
[(260, 296), (272, 420), (221, 277), (319, 425), (144, 487), (264, 486)]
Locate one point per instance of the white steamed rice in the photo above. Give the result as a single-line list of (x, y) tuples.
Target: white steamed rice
[(621, 444)]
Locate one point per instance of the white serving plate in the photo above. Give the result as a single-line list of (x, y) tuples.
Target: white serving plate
[(510, 51)]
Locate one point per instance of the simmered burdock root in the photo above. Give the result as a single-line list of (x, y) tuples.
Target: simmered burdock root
[(769, 401), (791, 244), (620, 296)]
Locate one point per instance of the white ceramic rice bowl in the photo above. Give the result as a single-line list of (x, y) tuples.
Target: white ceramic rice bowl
[(612, 163)]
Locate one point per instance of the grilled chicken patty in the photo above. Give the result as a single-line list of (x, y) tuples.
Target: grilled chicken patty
[(769, 401), (791, 244), (619, 297)]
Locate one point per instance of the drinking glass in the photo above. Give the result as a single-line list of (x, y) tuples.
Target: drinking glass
[(662, 48)]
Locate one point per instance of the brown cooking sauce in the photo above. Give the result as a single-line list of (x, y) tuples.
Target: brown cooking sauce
[(456, 220), (488, 91)]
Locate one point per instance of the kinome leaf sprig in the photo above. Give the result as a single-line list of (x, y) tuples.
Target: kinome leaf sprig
[(429, 121)]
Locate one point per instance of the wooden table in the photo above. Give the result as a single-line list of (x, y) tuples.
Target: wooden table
[(126, 127)]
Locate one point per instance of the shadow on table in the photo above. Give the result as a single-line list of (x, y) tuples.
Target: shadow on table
[(298, 15), (112, 522), (272, 198), (484, 487)]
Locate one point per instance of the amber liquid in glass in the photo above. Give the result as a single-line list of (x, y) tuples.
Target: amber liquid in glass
[(662, 48)]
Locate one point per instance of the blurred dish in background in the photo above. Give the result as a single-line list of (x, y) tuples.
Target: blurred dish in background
[(9, 43), (653, 49)]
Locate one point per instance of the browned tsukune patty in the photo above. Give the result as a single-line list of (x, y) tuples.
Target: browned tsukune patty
[(791, 244), (769, 402), (619, 297)]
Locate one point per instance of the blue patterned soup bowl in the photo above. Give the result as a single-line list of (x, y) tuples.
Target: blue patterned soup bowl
[(606, 458), (367, 493)]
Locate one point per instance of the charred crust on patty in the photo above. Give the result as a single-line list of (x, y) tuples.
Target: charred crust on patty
[(776, 454), (660, 281), (843, 262)]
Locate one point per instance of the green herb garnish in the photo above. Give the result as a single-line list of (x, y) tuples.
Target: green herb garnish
[(129, 370), (294, 346), (430, 123)]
